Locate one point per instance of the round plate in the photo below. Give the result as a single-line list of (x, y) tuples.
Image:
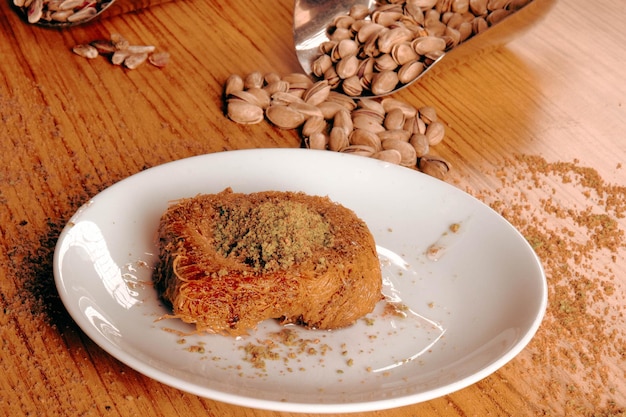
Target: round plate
[(467, 291)]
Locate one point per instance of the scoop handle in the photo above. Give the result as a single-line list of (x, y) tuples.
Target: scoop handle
[(126, 6)]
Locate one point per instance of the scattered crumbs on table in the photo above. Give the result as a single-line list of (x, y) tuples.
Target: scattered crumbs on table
[(575, 222)]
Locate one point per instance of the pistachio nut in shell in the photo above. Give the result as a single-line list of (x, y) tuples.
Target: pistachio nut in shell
[(343, 21), (340, 34), (372, 105), (388, 155), (384, 82), (243, 95), (465, 30), (434, 166), (317, 93), (352, 86), (254, 80), (360, 150), (478, 7), (316, 141), (343, 119), (243, 112), (347, 67), (338, 139), (497, 4), (403, 53), (261, 96), (428, 114), (233, 84), (460, 6), (330, 108), (282, 98), (393, 37), (347, 102), (276, 86), (387, 17), (331, 77), (321, 65), (369, 31), (420, 144), (414, 11), (479, 25), (394, 119), (498, 15), (365, 138), (415, 125), (307, 110), (424, 4), (359, 11), (435, 133), (452, 37), (428, 44), (391, 103), (297, 79), (408, 157), (385, 62), (271, 77), (345, 48), (367, 122), (314, 124), (284, 116), (398, 134), (435, 28)]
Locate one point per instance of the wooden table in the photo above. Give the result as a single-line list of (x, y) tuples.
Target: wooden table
[(536, 129)]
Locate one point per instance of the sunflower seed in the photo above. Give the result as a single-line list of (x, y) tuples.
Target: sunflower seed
[(86, 51), (132, 61)]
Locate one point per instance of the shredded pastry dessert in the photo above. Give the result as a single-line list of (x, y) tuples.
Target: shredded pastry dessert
[(229, 261)]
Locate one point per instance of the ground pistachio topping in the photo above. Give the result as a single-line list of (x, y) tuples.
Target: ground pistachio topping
[(272, 235)]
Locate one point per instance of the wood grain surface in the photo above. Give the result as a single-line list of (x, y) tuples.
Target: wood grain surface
[(535, 128)]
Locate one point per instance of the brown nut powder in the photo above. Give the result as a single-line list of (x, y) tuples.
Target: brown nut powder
[(272, 235), (575, 222)]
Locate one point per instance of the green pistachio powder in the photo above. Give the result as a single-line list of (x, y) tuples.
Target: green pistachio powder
[(272, 235)]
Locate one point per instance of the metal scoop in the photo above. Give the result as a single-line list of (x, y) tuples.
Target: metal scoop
[(70, 13), (66, 14), (312, 19)]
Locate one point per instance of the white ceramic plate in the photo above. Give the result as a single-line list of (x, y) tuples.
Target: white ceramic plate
[(469, 309)]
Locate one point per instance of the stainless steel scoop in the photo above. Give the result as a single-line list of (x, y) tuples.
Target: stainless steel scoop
[(70, 13), (312, 18)]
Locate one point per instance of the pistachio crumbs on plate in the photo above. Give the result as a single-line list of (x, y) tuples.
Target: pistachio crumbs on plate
[(283, 345)]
